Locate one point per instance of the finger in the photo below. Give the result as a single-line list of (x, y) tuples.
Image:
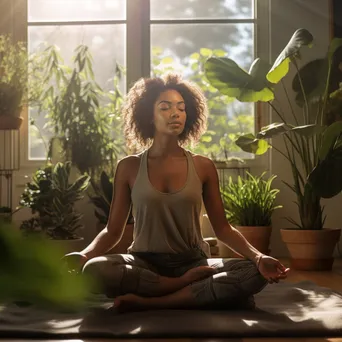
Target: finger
[(281, 267), (282, 276)]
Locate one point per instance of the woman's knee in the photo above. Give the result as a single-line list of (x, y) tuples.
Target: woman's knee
[(106, 273), (240, 279), (248, 279), (101, 265)]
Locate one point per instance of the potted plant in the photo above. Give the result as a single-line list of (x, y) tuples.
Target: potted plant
[(249, 204), (313, 146), (82, 117), (13, 81), (19, 81), (51, 197), (102, 199)]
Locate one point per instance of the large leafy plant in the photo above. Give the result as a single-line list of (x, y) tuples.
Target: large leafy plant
[(52, 197), (313, 146), (250, 201), (83, 116)]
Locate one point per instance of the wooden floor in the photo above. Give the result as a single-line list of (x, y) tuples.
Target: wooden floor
[(331, 279)]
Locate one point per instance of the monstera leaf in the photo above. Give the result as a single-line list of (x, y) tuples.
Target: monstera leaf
[(258, 145), (249, 143), (315, 74), (325, 178), (227, 77), (280, 68)]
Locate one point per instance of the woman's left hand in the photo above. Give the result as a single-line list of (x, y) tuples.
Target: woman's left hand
[(272, 269)]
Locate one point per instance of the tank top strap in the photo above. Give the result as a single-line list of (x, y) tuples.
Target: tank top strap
[(192, 170)]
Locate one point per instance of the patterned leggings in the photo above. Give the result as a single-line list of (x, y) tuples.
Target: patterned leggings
[(232, 285)]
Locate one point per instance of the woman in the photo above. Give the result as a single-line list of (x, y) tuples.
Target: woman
[(168, 264)]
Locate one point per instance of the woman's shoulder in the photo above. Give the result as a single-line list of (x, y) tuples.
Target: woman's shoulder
[(200, 159), (130, 161), (204, 166)]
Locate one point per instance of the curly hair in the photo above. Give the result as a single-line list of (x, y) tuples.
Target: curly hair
[(138, 110)]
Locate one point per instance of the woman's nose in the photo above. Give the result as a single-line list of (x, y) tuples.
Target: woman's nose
[(174, 114)]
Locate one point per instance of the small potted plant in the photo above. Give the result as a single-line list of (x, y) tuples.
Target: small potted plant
[(52, 197), (102, 199), (249, 204), (16, 69)]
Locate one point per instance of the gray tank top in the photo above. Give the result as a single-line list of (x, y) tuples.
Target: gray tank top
[(167, 222)]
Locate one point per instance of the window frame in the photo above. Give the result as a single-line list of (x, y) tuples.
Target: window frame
[(138, 55)]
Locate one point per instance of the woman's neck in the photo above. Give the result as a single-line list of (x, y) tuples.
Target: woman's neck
[(165, 148)]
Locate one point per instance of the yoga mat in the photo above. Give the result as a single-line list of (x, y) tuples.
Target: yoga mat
[(286, 309)]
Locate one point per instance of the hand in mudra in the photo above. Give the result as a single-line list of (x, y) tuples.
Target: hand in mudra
[(74, 261), (272, 269)]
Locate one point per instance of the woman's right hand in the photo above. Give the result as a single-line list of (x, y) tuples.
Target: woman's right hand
[(75, 261)]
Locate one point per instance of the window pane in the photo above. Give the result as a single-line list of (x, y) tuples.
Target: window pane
[(76, 10), (184, 48), (201, 9), (105, 49)]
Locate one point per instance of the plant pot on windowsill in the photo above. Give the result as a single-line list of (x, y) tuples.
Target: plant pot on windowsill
[(9, 122), (311, 250)]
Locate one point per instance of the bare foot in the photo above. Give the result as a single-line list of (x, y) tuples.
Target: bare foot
[(129, 302), (198, 273)]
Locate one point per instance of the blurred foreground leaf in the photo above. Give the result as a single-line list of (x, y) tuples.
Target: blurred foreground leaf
[(31, 271)]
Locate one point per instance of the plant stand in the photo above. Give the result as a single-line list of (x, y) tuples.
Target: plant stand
[(9, 157)]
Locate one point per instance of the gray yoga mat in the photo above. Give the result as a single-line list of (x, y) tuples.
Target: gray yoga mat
[(285, 309)]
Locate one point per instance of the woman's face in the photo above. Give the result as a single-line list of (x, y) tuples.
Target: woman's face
[(169, 113)]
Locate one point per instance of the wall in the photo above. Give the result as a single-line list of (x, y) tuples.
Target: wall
[(286, 17)]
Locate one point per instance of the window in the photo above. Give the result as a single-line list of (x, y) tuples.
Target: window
[(183, 35), (149, 37)]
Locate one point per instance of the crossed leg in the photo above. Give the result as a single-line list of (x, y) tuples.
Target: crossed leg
[(120, 274), (235, 280)]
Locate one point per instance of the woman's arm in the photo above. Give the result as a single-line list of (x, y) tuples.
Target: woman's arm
[(118, 215), (215, 210)]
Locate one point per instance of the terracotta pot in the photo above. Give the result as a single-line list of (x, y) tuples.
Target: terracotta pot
[(9, 122), (258, 237), (125, 242), (311, 250), (68, 246)]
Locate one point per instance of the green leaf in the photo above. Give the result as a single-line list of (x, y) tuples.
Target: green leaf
[(280, 68), (167, 60), (195, 56), (250, 144), (272, 130), (308, 130), (326, 177), (330, 136), (206, 138), (226, 76), (206, 52), (258, 71), (219, 53), (334, 45), (312, 75)]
